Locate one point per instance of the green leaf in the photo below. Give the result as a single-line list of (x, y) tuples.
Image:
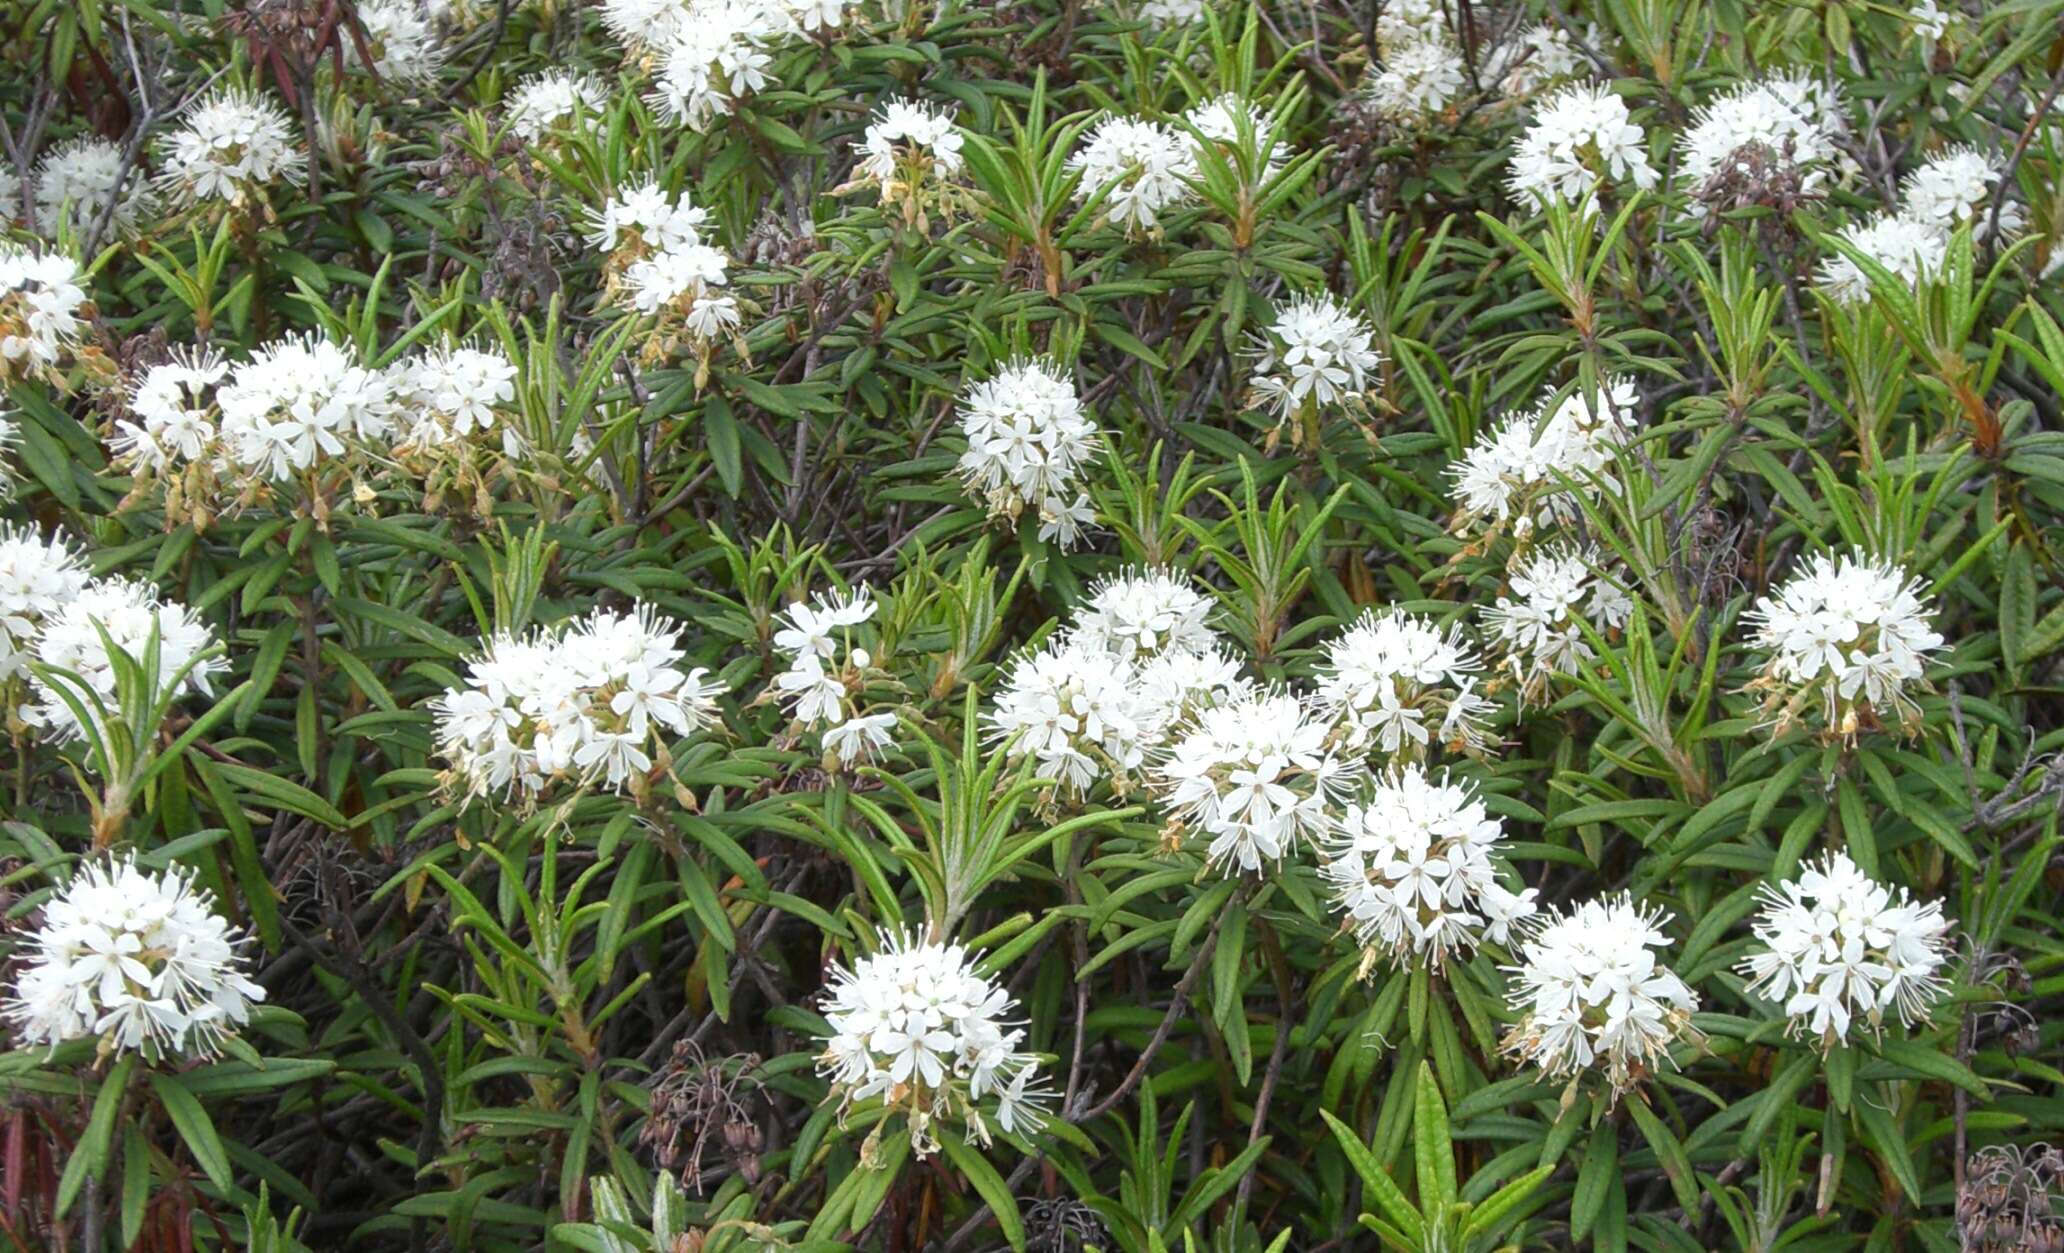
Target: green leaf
[(195, 1128)]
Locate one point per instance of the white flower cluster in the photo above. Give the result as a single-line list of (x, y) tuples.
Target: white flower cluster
[(1837, 946), (449, 396), (721, 51), (232, 146), (42, 313), (75, 184), (1789, 125), (1539, 627), (1851, 632), (1393, 681), (1316, 353), (590, 701), (550, 100), (123, 612), (1077, 711), (294, 405), (1221, 121), (645, 220), (1145, 167), (53, 612), (141, 961), (1420, 76), (1590, 992), (1533, 60), (1911, 249), (905, 144), (1583, 137), (1171, 12), (1521, 472), (1256, 776), (1912, 240), (1028, 440), (669, 270), (38, 578), (404, 44), (172, 417), (1142, 614), (1138, 662), (825, 674), (1419, 70), (1957, 187), (919, 1027), (1412, 870), (299, 406)]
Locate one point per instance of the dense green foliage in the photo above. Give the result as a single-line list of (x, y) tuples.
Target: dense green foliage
[(594, 1022)]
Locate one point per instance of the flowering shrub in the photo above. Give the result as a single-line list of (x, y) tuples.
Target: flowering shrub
[(726, 625)]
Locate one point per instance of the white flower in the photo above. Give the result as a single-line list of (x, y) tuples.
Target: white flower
[(1255, 777), (919, 1028), (644, 24), (38, 578), (1412, 870), (861, 739), (592, 700), (451, 394), (1538, 628), (909, 136), (1063, 521), (1419, 77), (127, 612), (669, 271), (1171, 12), (1957, 188), (1176, 685), (1591, 994), (42, 306), (1910, 248), (1077, 711), (1028, 438), (1929, 20), (647, 219), (1139, 614), (1220, 121), (1791, 123), (405, 48), (76, 181), (173, 420), (1582, 137), (1539, 57), (232, 145), (296, 403), (1412, 19), (815, 15), (1835, 947), (10, 193), (1397, 684), (721, 53), (816, 691), (141, 961), (546, 101), (1315, 353), (1522, 472), (1850, 631), (1147, 168), (666, 279)]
